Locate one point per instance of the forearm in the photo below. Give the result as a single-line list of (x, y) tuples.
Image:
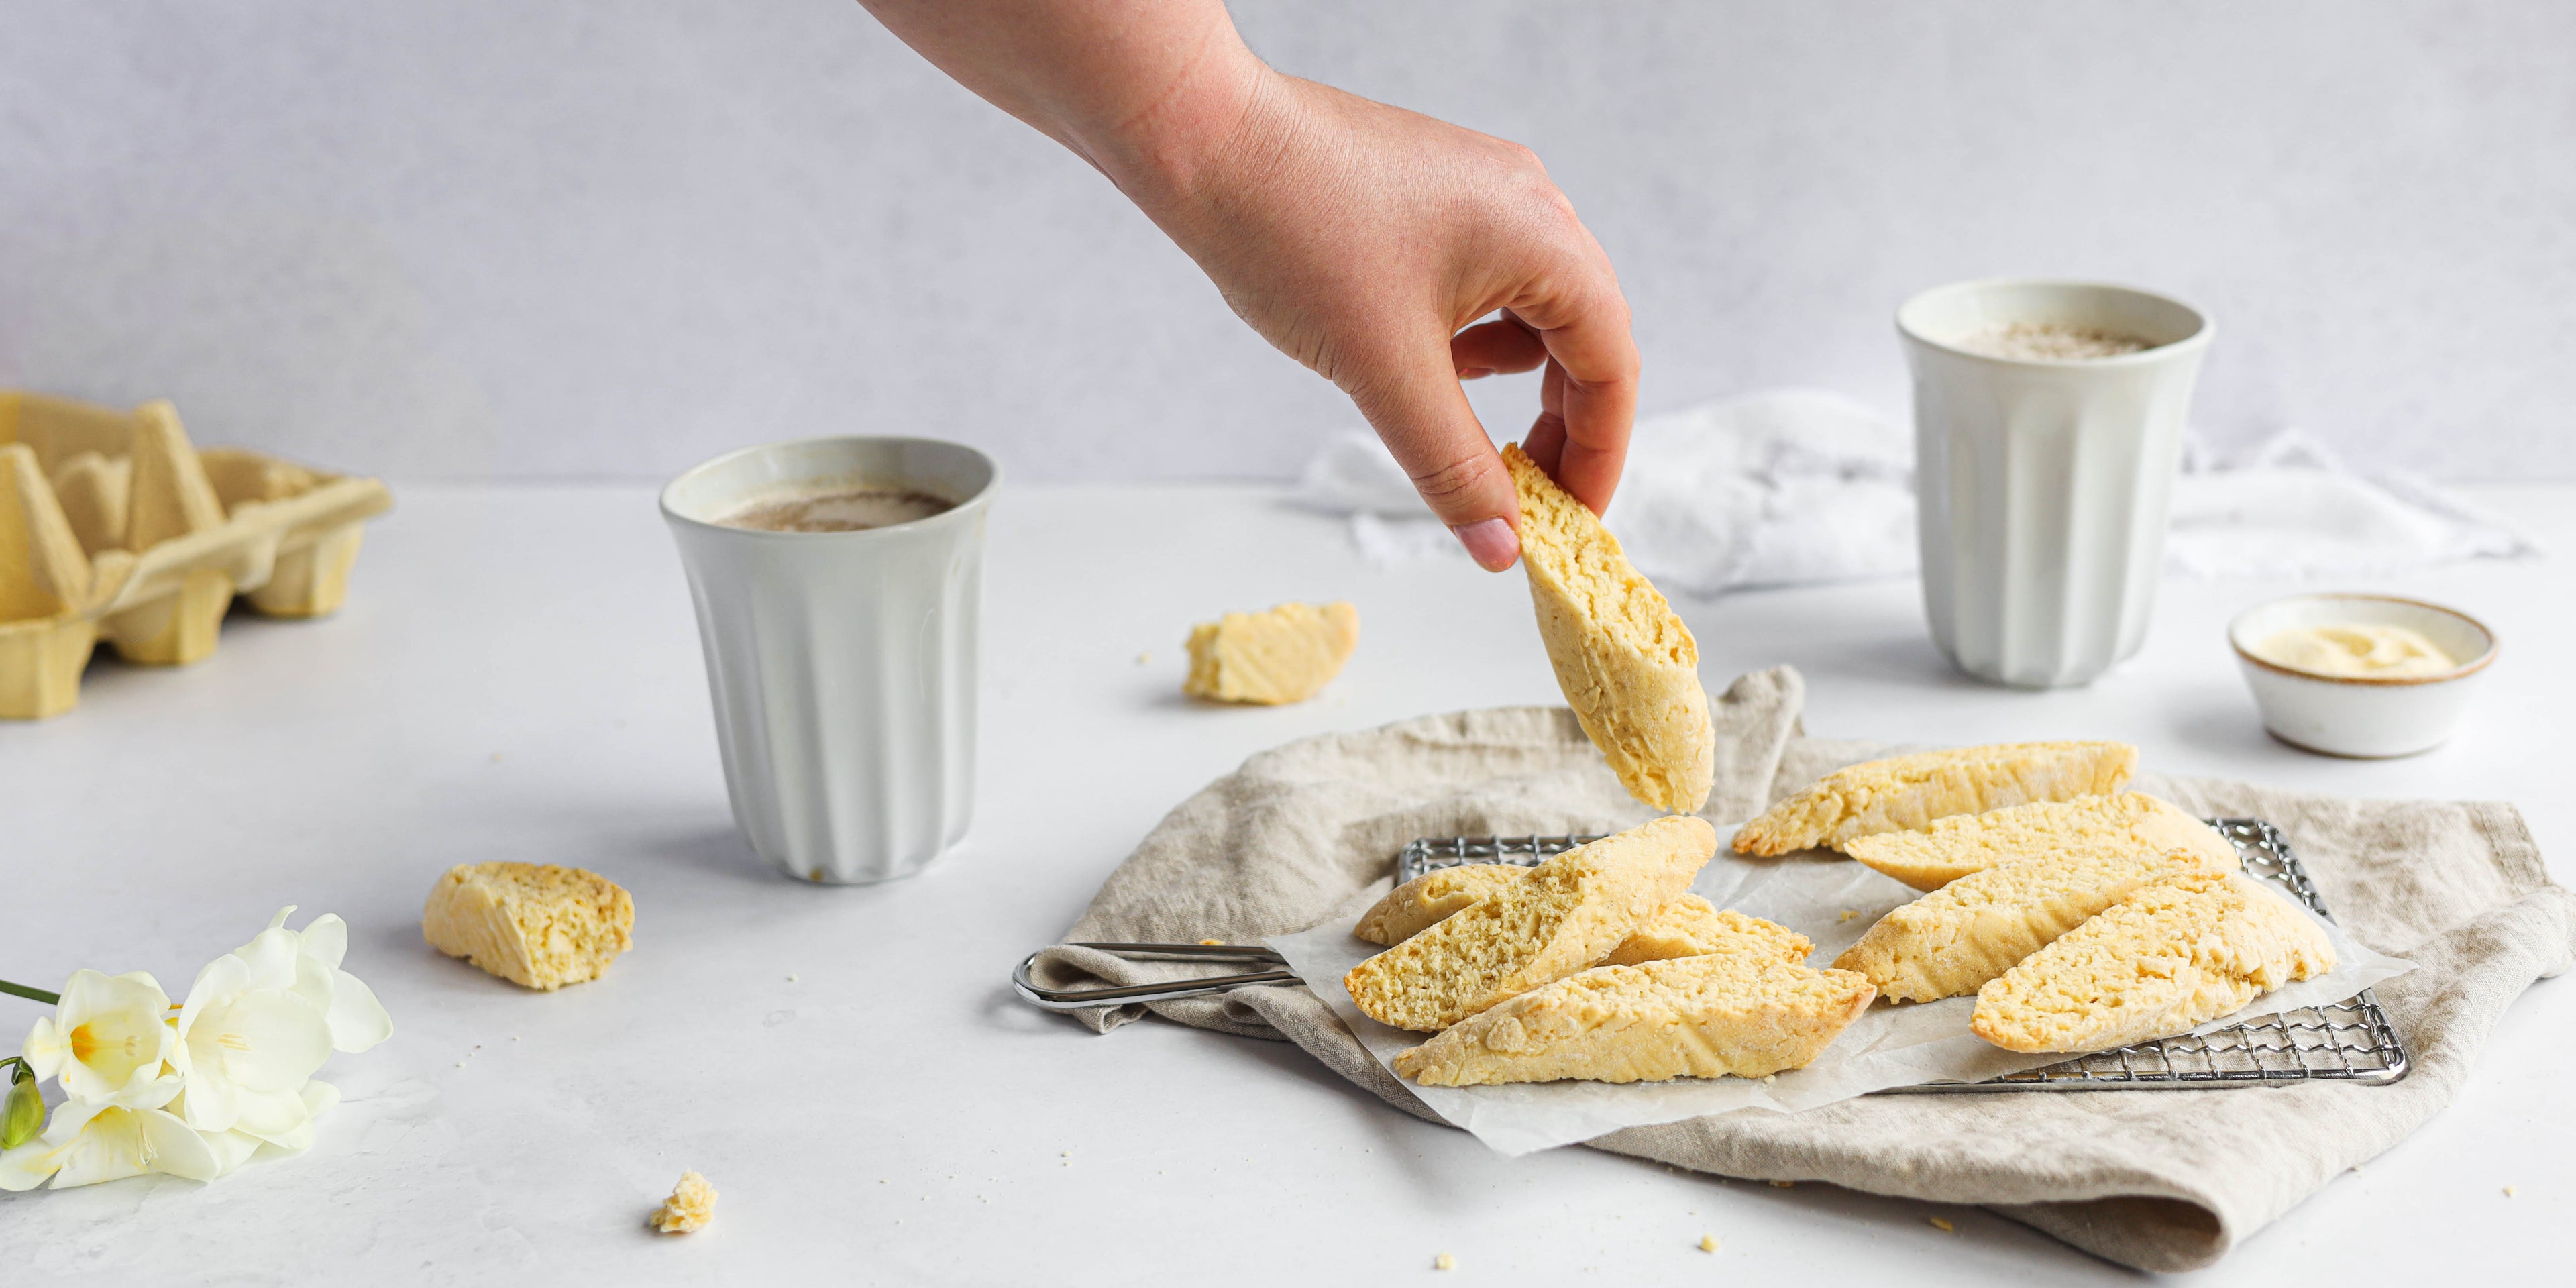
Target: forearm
[(1141, 89)]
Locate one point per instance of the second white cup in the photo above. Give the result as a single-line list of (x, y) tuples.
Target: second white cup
[(2042, 485), (842, 664)]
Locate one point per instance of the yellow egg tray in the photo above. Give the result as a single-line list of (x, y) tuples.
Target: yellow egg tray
[(112, 525)]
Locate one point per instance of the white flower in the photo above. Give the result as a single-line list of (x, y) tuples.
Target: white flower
[(246, 1050), (92, 1140), (106, 1041), (308, 961)]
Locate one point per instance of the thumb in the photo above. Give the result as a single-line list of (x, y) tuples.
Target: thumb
[(1422, 415)]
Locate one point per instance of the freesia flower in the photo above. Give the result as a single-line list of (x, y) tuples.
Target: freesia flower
[(106, 1040), (93, 1140), (247, 1050)]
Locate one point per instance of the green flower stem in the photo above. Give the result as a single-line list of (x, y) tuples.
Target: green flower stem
[(31, 994)]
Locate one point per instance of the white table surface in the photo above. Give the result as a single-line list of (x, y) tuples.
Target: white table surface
[(517, 677)]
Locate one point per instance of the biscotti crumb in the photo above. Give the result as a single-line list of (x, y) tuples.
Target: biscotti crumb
[(1708, 1243), (1444, 1262), (2508, 1191), (1849, 913), (1144, 659), (1784, 1185), (1943, 1226), (1212, 943), (692, 1204)]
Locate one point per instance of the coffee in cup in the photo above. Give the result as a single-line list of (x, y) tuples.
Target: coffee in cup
[(846, 509)]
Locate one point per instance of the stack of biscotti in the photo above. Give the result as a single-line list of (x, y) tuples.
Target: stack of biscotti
[(2051, 894), (1597, 964)]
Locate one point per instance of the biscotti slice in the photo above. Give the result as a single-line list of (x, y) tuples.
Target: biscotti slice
[(1422, 902), (1691, 925), (1271, 658), (1568, 915), (2131, 822), (1687, 926), (1627, 664), (1906, 792), (536, 926), (1956, 938), (2169, 957), (1741, 1012)]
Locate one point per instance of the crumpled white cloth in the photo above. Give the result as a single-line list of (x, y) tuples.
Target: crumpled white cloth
[(1799, 486)]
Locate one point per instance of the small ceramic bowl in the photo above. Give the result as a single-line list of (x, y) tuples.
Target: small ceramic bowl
[(2355, 715)]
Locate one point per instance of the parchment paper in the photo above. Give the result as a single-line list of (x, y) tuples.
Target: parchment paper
[(1830, 900)]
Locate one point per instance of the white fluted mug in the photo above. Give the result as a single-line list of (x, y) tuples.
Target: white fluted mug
[(2042, 486), (842, 664)]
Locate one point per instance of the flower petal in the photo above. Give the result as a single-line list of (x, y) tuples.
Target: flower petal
[(230, 1148), (272, 955), (326, 939), (48, 1046), (109, 1148), (265, 1040), (168, 1146), (358, 1020)]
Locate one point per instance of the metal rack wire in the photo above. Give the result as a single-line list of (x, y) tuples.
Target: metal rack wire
[(2349, 1041)]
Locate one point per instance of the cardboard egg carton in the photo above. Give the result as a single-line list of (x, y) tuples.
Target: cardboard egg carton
[(112, 525)]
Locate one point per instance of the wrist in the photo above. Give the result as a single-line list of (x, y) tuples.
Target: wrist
[(1164, 149)]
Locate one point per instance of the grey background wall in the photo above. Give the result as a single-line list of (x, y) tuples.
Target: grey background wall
[(494, 238)]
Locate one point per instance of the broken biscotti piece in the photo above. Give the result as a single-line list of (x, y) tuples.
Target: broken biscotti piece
[(692, 1204), (1691, 925), (1567, 915), (2129, 823), (1907, 792), (1627, 664), (1281, 656), (1956, 938), (1743, 1012), (536, 926), (2169, 957)]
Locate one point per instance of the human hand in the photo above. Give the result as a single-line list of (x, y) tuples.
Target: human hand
[(1362, 240)]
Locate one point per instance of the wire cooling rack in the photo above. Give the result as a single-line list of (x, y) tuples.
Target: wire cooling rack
[(2350, 1041)]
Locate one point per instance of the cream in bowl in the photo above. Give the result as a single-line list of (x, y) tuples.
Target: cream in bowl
[(2360, 675)]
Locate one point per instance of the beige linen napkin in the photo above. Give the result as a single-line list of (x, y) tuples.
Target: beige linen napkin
[(2162, 1180)]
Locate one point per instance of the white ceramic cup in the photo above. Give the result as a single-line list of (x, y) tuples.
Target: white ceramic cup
[(842, 663), (2042, 486)]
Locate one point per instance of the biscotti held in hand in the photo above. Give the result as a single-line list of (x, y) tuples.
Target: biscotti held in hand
[(1627, 664)]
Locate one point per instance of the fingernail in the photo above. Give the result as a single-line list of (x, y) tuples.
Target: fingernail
[(1490, 542)]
